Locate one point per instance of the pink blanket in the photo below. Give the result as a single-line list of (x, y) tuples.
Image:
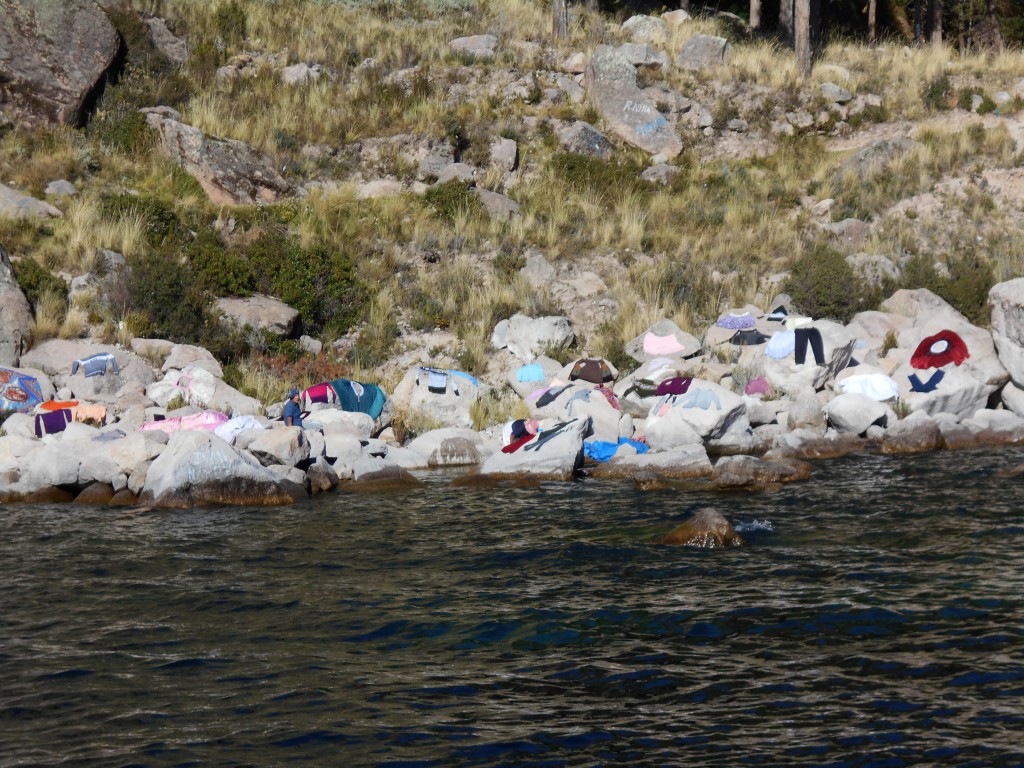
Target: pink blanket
[(207, 421), (661, 345)]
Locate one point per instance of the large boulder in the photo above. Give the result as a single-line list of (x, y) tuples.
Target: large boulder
[(475, 46), (584, 139), (197, 468), (663, 339), (855, 413), (527, 337), (915, 434), (556, 456), (452, 447), (872, 159), (231, 172), (284, 445), (264, 313), (704, 52), (752, 473), (786, 376), (706, 529), (646, 29), (613, 89), (56, 357), (683, 461), (1007, 302), (449, 408), (15, 314), (15, 205), (54, 57), (183, 356), (708, 408)]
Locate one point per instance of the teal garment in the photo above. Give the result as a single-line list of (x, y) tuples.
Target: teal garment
[(359, 398)]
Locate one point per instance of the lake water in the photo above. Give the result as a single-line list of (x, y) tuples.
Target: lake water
[(875, 619)]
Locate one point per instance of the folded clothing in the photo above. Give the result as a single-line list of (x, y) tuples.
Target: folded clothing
[(737, 322), (661, 345)]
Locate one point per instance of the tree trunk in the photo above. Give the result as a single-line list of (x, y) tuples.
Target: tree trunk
[(685, 5), (917, 21), (594, 6), (802, 37), (559, 19), (993, 23), (935, 22), (755, 15), (872, 14), (786, 21)]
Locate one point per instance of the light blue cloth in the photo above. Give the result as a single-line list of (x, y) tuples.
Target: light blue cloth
[(781, 344), (700, 398), (466, 376), (532, 372), (602, 450)]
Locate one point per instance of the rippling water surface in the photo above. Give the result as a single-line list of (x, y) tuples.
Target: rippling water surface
[(875, 619)]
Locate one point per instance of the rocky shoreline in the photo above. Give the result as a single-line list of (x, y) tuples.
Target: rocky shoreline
[(728, 430)]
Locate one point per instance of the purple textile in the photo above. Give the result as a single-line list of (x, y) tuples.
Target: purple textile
[(736, 322), (54, 421)]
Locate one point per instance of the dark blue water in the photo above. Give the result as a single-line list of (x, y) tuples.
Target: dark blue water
[(876, 619)]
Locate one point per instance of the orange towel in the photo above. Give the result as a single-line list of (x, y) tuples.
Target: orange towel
[(57, 405), (97, 413)]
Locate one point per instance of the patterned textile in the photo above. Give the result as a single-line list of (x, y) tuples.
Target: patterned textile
[(736, 322), (18, 392)]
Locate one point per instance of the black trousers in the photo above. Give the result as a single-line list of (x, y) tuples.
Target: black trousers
[(812, 335)]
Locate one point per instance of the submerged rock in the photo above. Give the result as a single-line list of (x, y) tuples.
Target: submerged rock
[(707, 529)]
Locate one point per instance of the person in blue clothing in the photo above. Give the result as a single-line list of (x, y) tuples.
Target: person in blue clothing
[(292, 412)]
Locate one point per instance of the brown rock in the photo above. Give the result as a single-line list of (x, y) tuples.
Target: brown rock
[(231, 172), (15, 314), (707, 529), (123, 498), (747, 471), (912, 436), (49, 495), (97, 493), (54, 58)]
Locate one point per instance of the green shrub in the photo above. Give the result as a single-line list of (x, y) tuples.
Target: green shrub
[(160, 222), (318, 282), (35, 280), (965, 287), (606, 177), (448, 201), (230, 22), (217, 269), (163, 289), (823, 285), (935, 95)]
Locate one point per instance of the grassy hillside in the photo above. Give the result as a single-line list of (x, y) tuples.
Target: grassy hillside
[(726, 230)]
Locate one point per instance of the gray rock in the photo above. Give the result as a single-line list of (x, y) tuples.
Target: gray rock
[(440, 157), (662, 173), (556, 457), (852, 232), (498, 206), (912, 435), (687, 460), (310, 345), (451, 447), (230, 172), (197, 468), (461, 172), (15, 205), (613, 90), (504, 154), (644, 56), (873, 268), (584, 139), (737, 125), (264, 313), (16, 319), (61, 188), (475, 46), (806, 413), (282, 445), (538, 270), (53, 59), (528, 337), (575, 92), (854, 414), (676, 19), (873, 159), (183, 356), (301, 74), (1007, 302), (662, 329), (704, 52), (836, 93), (450, 409), (321, 476), (173, 47), (646, 29)]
